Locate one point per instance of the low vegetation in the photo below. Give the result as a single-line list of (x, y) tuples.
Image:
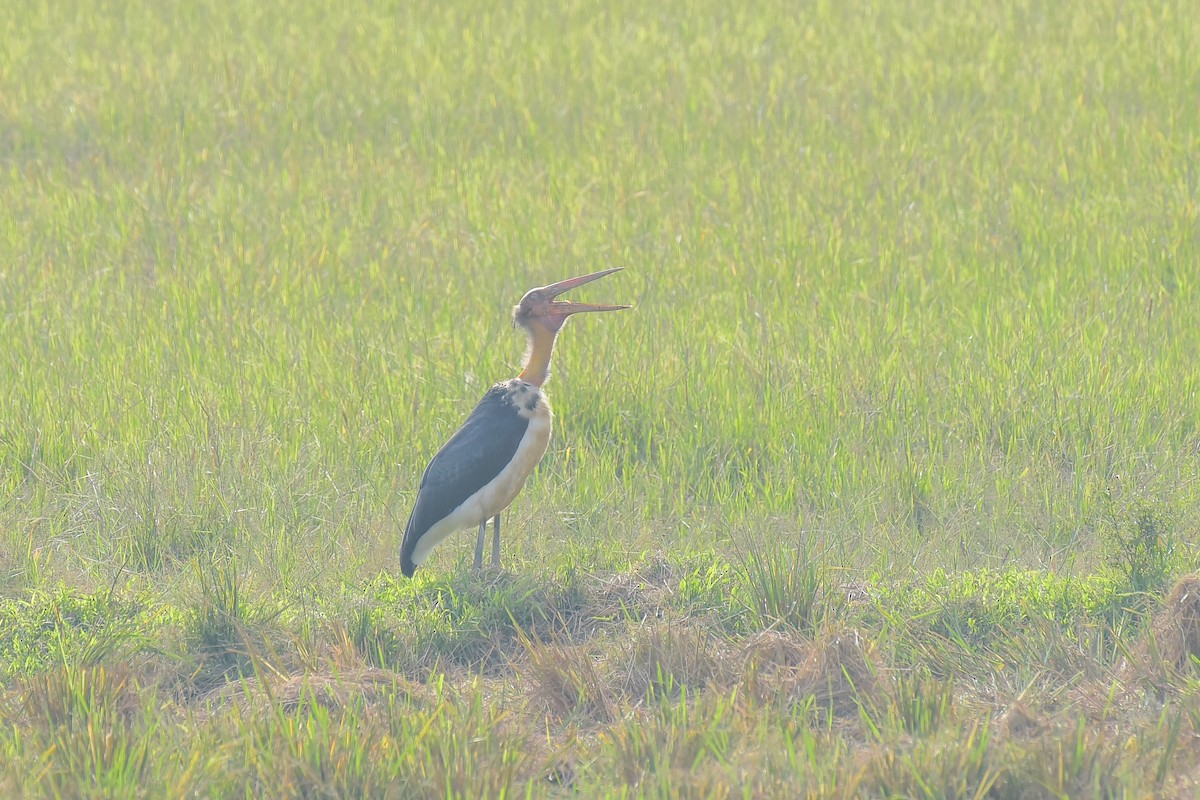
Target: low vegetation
[(995, 684)]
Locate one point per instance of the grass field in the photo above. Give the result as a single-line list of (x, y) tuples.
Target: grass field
[(888, 486)]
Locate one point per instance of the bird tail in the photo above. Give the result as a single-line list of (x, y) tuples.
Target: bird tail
[(407, 565)]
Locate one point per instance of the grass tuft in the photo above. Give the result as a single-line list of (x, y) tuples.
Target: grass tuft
[(1019, 721), (1076, 761), (664, 751), (957, 763), (1170, 652), (225, 632), (568, 680), (837, 677), (1175, 627), (919, 702), (93, 730), (781, 586), (665, 660)]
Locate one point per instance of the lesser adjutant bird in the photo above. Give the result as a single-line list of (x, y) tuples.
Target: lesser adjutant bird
[(483, 466)]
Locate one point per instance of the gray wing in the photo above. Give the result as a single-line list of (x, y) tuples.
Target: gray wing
[(475, 454)]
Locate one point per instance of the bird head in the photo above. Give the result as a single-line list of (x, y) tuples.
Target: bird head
[(539, 306)]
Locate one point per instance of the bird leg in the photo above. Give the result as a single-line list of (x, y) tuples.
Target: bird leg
[(479, 544), (495, 541)]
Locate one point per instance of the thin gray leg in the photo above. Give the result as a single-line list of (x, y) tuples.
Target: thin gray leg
[(479, 544), (496, 541)]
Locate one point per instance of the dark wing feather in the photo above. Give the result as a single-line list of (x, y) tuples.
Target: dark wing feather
[(480, 449)]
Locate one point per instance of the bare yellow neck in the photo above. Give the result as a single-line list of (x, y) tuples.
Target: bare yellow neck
[(541, 347)]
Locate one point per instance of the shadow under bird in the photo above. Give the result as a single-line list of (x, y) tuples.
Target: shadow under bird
[(483, 466)]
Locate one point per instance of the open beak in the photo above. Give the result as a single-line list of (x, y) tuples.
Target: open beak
[(564, 308)]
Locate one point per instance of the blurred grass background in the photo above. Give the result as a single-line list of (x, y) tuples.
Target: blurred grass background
[(915, 281)]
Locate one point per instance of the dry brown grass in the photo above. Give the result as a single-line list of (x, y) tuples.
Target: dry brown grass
[(567, 680), (1176, 625), (769, 651), (1170, 649), (663, 659), (334, 691), (839, 669), (639, 596), (671, 705), (1019, 721)]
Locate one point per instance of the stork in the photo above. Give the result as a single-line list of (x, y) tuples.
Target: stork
[(483, 466)]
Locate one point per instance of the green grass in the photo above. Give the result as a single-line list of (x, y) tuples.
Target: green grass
[(916, 295)]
